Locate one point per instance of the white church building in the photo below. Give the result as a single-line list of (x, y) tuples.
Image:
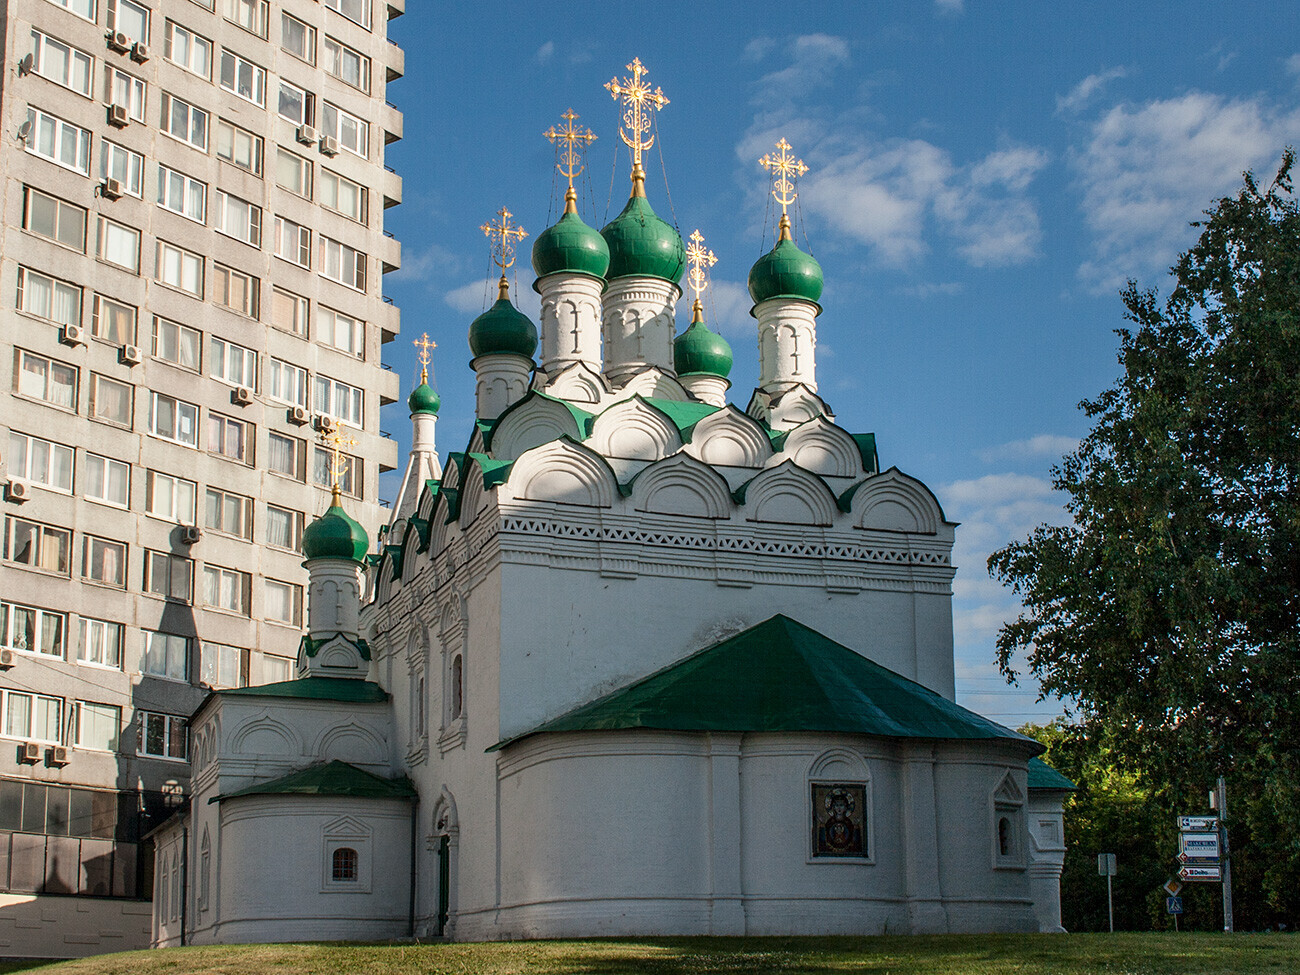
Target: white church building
[(637, 661)]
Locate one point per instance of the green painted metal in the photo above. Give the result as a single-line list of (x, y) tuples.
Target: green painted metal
[(345, 689), (1043, 776), (503, 328), (785, 272), (329, 779), (424, 399), (334, 535), (643, 245), (570, 245), (698, 350)]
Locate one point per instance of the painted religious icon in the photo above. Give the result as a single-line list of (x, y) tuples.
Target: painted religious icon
[(839, 820)]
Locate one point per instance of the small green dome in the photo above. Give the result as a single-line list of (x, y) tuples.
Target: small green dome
[(570, 245), (785, 272), (642, 245), (335, 536), (503, 328), (424, 399), (699, 350)]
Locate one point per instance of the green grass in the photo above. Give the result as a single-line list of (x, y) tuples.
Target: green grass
[(1120, 954)]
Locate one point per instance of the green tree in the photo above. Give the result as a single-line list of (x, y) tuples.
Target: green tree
[(1169, 610)]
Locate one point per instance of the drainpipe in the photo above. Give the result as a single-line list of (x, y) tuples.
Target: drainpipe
[(415, 828), (185, 879)]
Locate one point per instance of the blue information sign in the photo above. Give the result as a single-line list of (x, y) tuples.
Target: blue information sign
[(1173, 905)]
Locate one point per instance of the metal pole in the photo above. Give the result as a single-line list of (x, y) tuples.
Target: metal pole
[(1110, 903), (1226, 860)]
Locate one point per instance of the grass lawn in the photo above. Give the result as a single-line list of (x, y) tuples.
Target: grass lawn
[(1120, 954)]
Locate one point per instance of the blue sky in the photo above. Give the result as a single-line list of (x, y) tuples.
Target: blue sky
[(983, 179)]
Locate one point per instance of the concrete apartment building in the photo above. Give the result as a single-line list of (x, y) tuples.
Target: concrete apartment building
[(191, 264)]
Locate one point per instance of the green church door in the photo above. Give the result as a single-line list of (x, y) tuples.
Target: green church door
[(444, 882)]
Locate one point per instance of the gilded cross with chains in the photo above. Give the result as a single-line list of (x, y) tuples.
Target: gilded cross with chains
[(785, 169), (503, 236), (339, 461), (575, 142), (700, 260), (424, 344), (636, 95)]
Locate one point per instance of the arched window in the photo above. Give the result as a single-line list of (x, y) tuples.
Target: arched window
[(457, 687), (1009, 831), (1004, 836), (344, 867)]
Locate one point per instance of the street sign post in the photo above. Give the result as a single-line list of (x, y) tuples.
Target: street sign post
[(1194, 847), (1202, 874), (1172, 887), (1198, 824), (1106, 866), (1173, 905)]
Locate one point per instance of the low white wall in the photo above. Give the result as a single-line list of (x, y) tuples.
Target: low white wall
[(32, 926)]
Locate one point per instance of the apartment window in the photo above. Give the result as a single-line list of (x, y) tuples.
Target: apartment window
[(172, 498), (287, 456), (343, 196), (162, 736), (41, 462), (230, 514), (292, 242), (49, 380), (129, 18), (119, 244), (230, 438), (295, 104), (98, 726), (284, 528), (61, 63), (221, 665), (349, 480), (286, 382), (82, 8), (226, 589), (343, 264), (112, 321), (58, 141), (34, 717), (283, 602), (45, 297), (184, 121), (349, 66), (100, 643), (343, 332), (353, 133), (289, 311), (172, 577), (182, 194), (40, 546), (189, 50), (357, 11), (243, 78), (239, 147), (60, 221), (293, 173), (179, 268), (125, 90), (338, 400), (237, 218), (173, 419), (104, 561), (123, 165), (176, 343), (111, 401), (297, 38), (232, 363), (107, 481), (32, 630), (248, 14), (236, 290)]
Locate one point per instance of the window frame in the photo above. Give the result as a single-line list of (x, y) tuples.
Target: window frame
[(305, 173), (94, 413), (39, 41), (231, 363), (161, 579), (223, 276), (156, 400), (307, 101), (51, 365), (62, 130), (366, 11), (280, 373), (355, 413), (364, 65), (167, 188), (132, 166), (342, 118), (6, 718), (42, 533), (362, 214), (224, 423), (137, 92), (299, 446), (30, 193), (256, 93), (113, 21), (327, 334), (309, 37), (9, 619), (172, 725), (296, 520), (244, 515), (86, 626), (88, 543), (222, 204), (108, 464), (256, 146), (69, 289), (285, 229), (347, 258), (103, 229), (220, 576), (160, 341), (111, 713), (23, 469), (193, 114), (171, 28), (99, 304), (258, 10), (175, 515), (301, 310), (163, 248)]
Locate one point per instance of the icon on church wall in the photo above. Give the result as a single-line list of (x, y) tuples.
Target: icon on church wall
[(839, 820)]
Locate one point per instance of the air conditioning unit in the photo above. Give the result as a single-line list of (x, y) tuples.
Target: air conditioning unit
[(117, 116), (326, 424), (139, 53), (73, 335), (299, 415), (306, 135), (190, 534), (329, 145), (29, 752), (111, 189), (19, 491), (241, 396), (7, 659), (58, 756), (119, 42), (131, 355)]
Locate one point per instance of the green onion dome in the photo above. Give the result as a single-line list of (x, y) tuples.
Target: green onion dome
[(698, 350), (335, 536), (785, 272), (641, 245), (503, 328), (570, 245), (424, 398)]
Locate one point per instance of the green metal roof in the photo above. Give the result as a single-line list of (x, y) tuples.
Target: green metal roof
[(867, 448), (329, 779), (346, 689), (1043, 776), (683, 416), (780, 676), (581, 418)]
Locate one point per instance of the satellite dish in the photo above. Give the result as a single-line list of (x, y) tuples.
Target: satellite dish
[(24, 130), (25, 65)]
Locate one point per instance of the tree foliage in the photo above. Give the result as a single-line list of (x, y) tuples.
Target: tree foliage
[(1169, 610)]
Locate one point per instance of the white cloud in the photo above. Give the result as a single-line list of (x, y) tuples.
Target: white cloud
[(950, 6), (1148, 170), (1082, 93), (545, 52), (471, 299), (427, 266), (813, 60), (726, 309), (758, 48), (1293, 64), (1043, 445), (930, 289)]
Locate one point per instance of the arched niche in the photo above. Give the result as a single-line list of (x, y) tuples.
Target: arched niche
[(265, 735), (578, 383), (564, 472), (820, 446), (789, 495), (894, 502), (731, 439), (534, 420), (683, 486), (634, 430), (654, 383)]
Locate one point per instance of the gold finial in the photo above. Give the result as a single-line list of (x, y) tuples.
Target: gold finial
[(639, 99), (339, 462), (700, 260), (785, 169), (570, 158), (503, 246), (424, 344)]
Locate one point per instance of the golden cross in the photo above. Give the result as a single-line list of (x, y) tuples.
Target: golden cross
[(569, 159), (339, 461), (639, 99), (700, 259), (424, 344), (503, 247), (785, 169)]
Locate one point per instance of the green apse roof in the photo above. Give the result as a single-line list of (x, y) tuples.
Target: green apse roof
[(643, 245), (345, 689), (785, 272), (570, 245), (1043, 776), (699, 350), (334, 535), (780, 676), (503, 328), (329, 779), (424, 399)]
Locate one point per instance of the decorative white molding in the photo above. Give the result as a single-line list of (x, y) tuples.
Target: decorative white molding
[(502, 380), (683, 486), (894, 502), (266, 736), (789, 495), (822, 447), (564, 472), (571, 318), (787, 342), (651, 382), (537, 421), (577, 382), (634, 430), (706, 388), (638, 324), (731, 439)]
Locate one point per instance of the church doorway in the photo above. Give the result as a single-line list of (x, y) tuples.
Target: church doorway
[(444, 882)]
